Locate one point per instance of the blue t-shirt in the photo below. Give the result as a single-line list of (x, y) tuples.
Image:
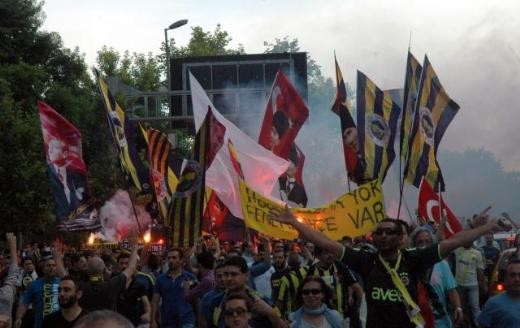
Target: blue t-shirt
[(43, 295), (442, 280), (500, 311), (175, 311)]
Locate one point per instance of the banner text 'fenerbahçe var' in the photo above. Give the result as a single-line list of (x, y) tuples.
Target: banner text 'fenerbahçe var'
[(353, 214)]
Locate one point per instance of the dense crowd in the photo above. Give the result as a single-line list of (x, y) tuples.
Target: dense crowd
[(398, 276)]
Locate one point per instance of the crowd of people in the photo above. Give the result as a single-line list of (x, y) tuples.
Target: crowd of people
[(397, 276)]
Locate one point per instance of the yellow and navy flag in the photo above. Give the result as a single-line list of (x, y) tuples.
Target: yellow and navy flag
[(187, 205), (434, 110), (377, 117), (162, 175), (411, 86), (124, 134)]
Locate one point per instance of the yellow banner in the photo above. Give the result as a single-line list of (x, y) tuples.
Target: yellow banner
[(353, 214)]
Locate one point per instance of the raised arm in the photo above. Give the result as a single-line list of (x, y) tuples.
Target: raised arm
[(132, 261), (314, 236), (465, 237)]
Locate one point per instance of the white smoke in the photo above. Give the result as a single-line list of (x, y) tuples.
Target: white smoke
[(118, 219)]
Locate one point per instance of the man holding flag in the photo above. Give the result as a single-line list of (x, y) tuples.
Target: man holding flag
[(390, 274)]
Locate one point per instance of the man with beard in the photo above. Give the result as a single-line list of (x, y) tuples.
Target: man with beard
[(68, 294)]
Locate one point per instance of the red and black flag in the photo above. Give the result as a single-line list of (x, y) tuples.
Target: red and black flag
[(284, 115), (292, 189), (377, 117), (187, 205), (124, 134), (67, 172), (434, 111), (348, 129)]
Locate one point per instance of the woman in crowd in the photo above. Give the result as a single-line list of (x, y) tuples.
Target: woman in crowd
[(314, 310)]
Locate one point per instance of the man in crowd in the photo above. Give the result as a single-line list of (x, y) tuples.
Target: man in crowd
[(491, 254), (281, 284), (391, 274), (132, 302), (236, 275), (175, 311), (69, 293), (99, 294), (215, 292), (503, 310), (469, 274), (194, 292), (10, 283), (237, 311)]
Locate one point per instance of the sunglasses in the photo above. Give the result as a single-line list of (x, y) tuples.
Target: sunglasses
[(235, 312), (311, 291), (388, 232)]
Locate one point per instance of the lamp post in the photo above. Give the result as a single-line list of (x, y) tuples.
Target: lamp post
[(178, 23)]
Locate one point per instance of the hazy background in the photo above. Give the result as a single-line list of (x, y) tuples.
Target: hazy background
[(473, 45)]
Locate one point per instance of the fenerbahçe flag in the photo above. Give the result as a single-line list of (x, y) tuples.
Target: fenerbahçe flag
[(377, 117), (123, 132), (353, 214), (411, 86), (186, 209), (434, 110)]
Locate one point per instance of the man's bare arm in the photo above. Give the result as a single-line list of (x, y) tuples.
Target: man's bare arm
[(314, 236)]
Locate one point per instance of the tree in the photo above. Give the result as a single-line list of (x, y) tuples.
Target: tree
[(34, 65), (140, 71)]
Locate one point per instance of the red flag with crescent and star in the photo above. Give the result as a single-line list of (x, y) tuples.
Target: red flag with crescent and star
[(430, 210)]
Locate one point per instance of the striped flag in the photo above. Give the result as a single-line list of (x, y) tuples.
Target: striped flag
[(123, 132), (186, 209), (411, 86), (162, 176), (348, 129), (377, 117), (434, 110)]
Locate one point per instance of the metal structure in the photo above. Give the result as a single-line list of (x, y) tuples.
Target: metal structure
[(238, 86)]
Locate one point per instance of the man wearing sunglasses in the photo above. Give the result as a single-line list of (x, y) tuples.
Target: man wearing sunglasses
[(391, 274)]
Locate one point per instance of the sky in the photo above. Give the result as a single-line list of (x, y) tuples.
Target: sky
[(474, 46)]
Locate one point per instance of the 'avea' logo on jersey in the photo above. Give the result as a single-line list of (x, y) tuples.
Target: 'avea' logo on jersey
[(381, 294)]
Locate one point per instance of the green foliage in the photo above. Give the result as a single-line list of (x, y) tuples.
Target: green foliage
[(206, 43), (34, 66), (140, 71)]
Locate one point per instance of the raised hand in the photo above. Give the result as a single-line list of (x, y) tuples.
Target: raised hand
[(284, 216)]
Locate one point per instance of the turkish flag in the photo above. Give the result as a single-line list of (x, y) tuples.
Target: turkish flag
[(429, 209)]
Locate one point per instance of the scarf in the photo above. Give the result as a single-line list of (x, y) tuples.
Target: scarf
[(332, 317), (412, 309)]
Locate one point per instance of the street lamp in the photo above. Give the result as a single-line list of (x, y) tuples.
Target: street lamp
[(178, 23)]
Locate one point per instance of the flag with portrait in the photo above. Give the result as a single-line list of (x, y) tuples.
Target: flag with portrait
[(349, 133), (67, 172)]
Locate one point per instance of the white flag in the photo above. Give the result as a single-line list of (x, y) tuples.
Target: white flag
[(260, 166)]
